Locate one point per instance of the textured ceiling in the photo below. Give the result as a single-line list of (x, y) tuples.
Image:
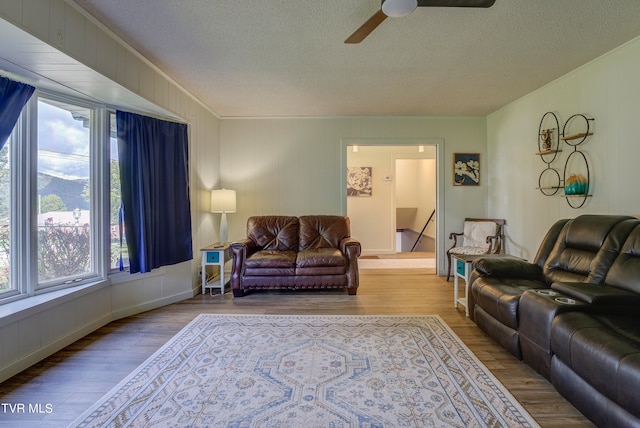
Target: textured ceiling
[(287, 57)]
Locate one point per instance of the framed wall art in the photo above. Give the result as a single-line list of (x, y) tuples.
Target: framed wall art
[(359, 181), (466, 169)]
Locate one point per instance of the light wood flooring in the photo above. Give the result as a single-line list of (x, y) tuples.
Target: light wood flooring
[(74, 378)]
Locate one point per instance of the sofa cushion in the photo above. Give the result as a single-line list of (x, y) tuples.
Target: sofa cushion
[(321, 261), (625, 271), (274, 232), (586, 248), (499, 297), (604, 350), (323, 231), (271, 263)]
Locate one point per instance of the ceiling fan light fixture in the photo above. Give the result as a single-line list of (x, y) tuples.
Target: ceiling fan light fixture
[(399, 8)]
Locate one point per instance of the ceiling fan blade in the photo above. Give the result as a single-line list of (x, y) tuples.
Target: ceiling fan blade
[(365, 29), (456, 3)]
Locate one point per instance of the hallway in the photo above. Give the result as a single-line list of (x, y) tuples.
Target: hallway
[(424, 261)]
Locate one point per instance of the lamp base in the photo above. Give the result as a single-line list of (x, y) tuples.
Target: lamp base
[(224, 229)]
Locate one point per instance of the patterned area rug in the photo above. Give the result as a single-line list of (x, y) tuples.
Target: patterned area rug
[(310, 371)]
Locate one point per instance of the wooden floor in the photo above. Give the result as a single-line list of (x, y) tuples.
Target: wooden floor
[(74, 378)]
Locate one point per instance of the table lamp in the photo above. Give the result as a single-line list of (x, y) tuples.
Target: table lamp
[(223, 201)]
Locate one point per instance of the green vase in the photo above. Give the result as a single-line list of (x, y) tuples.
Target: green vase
[(576, 184)]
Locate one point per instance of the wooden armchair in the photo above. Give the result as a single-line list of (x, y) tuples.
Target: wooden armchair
[(480, 236)]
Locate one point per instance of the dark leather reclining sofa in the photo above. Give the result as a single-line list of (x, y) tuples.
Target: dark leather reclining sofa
[(307, 252), (573, 314)]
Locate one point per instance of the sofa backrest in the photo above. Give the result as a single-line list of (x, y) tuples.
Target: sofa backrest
[(274, 232), (587, 247), (625, 271), (548, 242), (323, 231)]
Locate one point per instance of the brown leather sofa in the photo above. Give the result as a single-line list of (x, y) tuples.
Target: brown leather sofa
[(284, 252), (573, 314)]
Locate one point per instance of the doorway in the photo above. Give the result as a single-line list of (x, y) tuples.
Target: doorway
[(391, 190), (415, 205)]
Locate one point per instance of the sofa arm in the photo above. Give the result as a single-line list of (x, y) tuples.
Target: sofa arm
[(507, 267), (597, 295), (239, 252), (351, 249)]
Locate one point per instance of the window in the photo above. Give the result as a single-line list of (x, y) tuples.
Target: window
[(118, 246), (54, 197), (64, 192), (5, 219), (60, 197)]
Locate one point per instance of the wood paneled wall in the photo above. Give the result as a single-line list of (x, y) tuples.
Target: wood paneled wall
[(606, 89), (29, 332), (295, 166)]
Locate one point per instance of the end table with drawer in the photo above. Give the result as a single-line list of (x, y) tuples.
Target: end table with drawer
[(214, 255), (463, 264), (462, 269)]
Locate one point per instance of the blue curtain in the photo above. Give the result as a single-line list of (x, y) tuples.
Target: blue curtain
[(13, 97), (154, 175)]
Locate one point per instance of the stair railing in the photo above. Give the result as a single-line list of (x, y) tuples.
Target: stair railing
[(422, 231)]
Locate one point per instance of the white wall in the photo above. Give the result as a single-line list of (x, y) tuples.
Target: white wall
[(406, 183), (28, 332), (296, 166), (416, 186), (607, 89), (374, 219)]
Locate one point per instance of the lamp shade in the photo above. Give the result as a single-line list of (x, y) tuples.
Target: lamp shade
[(223, 201), (399, 8)]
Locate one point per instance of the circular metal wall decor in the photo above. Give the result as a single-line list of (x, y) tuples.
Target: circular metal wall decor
[(549, 181), (576, 175)]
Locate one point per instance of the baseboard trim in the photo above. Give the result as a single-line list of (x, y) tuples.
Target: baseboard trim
[(154, 304), (29, 360)]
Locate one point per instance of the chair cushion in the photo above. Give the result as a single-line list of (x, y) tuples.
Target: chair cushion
[(475, 233), (469, 251), (270, 263)]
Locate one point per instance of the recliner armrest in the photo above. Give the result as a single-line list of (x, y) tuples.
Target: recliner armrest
[(507, 267), (595, 294)]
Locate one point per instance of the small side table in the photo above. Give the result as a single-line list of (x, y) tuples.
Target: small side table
[(217, 255), (462, 269)]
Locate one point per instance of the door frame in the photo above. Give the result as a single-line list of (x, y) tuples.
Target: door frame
[(347, 143)]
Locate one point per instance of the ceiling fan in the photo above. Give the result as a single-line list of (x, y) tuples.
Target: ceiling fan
[(399, 8)]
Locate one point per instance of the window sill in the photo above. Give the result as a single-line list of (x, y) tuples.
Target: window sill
[(117, 277), (28, 306)]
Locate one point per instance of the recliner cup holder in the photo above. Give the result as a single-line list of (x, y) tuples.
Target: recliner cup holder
[(565, 300), (546, 292)]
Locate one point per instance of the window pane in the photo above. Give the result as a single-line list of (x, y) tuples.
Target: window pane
[(64, 235), (117, 248), (5, 217)]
